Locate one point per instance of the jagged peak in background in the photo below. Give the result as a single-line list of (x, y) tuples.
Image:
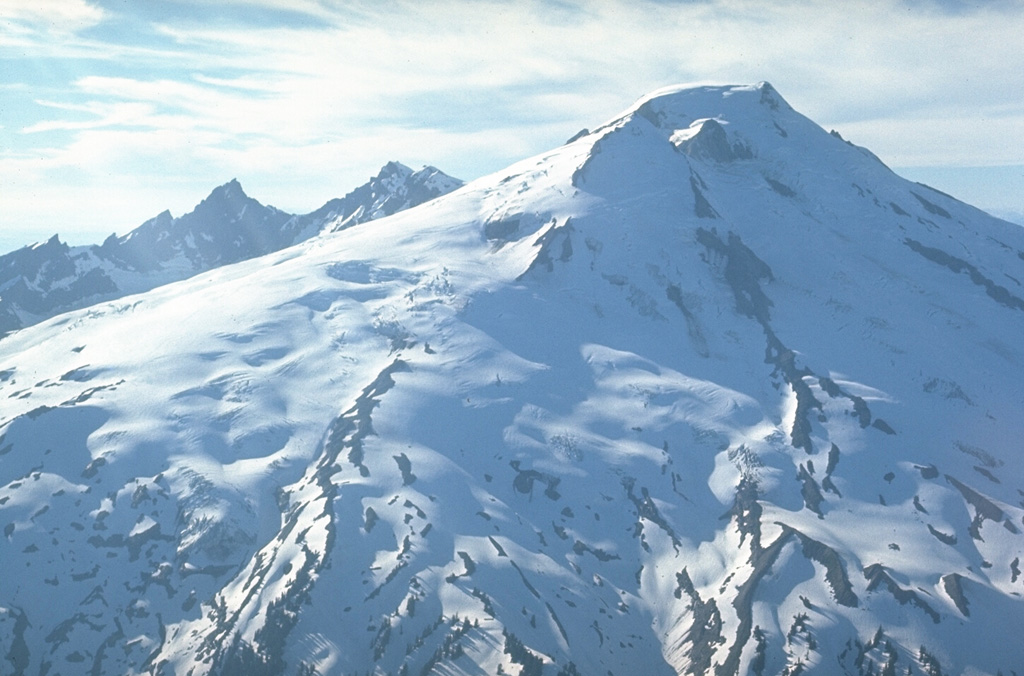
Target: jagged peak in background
[(46, 279)]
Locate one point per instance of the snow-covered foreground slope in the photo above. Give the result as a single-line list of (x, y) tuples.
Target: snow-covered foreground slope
[(707, 390)]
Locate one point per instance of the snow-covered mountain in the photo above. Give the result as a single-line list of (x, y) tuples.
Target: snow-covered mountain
[(707, 390), (41, 281)]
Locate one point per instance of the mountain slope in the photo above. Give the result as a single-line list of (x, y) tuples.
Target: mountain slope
[(706, 390), (44, 280)]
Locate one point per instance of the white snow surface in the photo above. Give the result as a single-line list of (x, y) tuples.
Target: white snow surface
[(707, 390)]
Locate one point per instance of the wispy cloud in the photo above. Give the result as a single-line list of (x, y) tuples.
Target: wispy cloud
[(102, 115), (49, 16)]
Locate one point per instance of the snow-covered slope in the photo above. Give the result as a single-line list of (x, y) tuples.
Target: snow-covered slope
[(706, 390), (41, 281)]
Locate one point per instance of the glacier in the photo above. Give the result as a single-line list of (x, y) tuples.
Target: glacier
[(706, 390)]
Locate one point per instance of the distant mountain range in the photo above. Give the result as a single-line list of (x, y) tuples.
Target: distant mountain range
[(1010, 215), (41, 281)]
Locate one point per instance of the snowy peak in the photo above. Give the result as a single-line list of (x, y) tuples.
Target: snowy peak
[(694, 131), (226, 227), (398, 187), (232, 187), (225, 200), (677, 107), (27, 259), (395, 188), (395, 171)]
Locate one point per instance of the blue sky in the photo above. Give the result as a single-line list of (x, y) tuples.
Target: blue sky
[(113, 110)]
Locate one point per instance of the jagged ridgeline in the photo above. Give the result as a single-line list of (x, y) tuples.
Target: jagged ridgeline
[(41, 281), (706, 390)]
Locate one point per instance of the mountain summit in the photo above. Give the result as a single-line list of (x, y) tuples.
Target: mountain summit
[(707, 390)]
